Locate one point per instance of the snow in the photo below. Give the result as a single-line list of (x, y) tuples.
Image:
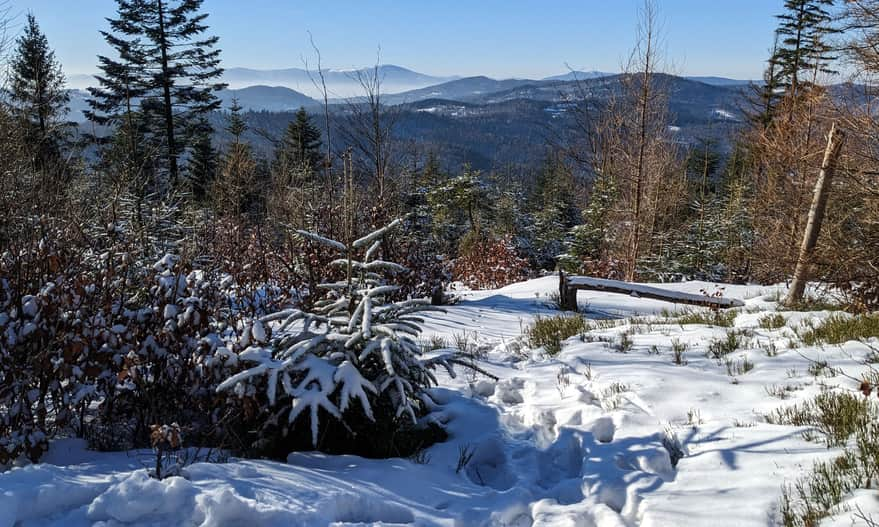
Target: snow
[(639, 289), (724, 114), (30, 308), (590, 451)]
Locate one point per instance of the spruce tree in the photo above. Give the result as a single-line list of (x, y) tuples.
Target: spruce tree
[(202, 166), (459, 208), (354, 358), (165, 66), (432, 173), (37, 93), (236, 126), (235, 190), (127, 158), (803, 28), (300, 147), (590, 241), (553, 210)]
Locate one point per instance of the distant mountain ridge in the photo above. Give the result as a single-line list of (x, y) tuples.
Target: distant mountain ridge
[(706, 79), (274, 96), (578, 75), (267, 98), (252, 98), (721, 81), (340, 83), (395, 79), (459, 89)]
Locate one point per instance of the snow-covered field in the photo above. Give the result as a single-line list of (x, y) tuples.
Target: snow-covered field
[(582, 439)]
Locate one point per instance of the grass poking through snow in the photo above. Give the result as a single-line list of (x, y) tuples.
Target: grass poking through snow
[(835, 415), (774, 321), (549, 332), (841, 328), (733, 341), (723, 318)]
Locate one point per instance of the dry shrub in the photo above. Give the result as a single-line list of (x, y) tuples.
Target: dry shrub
[(487, 263)]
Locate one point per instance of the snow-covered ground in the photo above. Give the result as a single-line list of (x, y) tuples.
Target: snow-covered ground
[(581, 439)]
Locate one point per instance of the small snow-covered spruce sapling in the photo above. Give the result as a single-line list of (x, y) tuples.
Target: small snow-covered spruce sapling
[(357, 348)]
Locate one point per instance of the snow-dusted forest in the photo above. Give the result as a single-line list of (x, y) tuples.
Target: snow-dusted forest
[(665, 315)]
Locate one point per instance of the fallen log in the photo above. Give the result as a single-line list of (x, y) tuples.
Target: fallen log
[(569, 285)]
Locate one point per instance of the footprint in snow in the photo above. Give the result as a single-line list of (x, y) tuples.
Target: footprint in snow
[(509, 391)]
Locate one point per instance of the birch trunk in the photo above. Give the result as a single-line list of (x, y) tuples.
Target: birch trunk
[(816, 215)]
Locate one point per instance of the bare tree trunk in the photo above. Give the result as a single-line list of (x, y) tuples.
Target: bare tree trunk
[(322, 87), (648, 20), (816, 214)]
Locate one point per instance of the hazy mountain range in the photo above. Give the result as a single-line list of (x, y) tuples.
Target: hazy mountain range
[(282, 90), (340, 83)]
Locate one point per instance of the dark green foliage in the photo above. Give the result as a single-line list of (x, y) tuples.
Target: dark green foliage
[(239, 189), (704, 167), (712, 239), (300, 146), (163, 68), (379, 439), (554, 212), (37, 94), (763, 98), (235, 124), (202, 166), (589, 241), (804, 50), (128, 159), (459, 206)]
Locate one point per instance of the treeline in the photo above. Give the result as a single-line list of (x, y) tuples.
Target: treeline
[(130, 280)]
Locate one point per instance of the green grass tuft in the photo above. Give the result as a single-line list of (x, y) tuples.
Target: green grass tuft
[(836, 415), (774, 321), (811, 304), (840, 328), (720, 348), (549, 332), (818, 495), (722, 318)]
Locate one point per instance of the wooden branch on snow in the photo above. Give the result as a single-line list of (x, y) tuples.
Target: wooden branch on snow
[(569, 285)]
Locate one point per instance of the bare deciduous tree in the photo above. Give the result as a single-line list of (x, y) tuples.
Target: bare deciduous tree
[(369, 131)]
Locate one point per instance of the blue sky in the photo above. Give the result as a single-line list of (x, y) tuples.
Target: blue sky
[(512, 38)]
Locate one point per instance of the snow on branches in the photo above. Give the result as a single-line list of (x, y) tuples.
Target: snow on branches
[(355, 351)]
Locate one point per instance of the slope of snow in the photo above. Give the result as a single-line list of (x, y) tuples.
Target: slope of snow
[(581, 439)]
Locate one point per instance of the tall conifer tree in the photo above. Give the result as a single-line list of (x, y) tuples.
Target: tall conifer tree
[(803, 49), (37, 93), (202, 167), (164, 65), (235, 190), (300, 147)]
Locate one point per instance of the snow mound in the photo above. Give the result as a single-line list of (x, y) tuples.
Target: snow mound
[(139, 498)]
